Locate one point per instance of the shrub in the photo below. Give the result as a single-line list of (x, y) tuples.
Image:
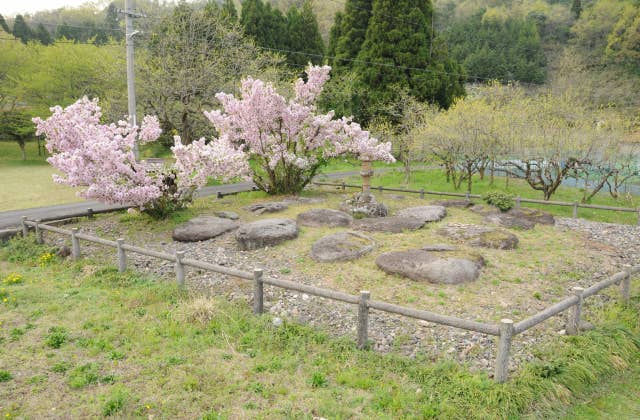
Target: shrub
[(56, 337), (501, 200)]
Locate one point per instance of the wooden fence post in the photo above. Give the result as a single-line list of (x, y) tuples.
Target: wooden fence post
[(573, 325), (344, 186), (422, 193), (75, 244), (179, 268), (25, 228), (122, 256), (638, 216), (39, 236), (363, 319), (625, 288), (467, 195), (575, 209), (90, 213), (518, 202), (379, 188), (504, 348), (258, 292)]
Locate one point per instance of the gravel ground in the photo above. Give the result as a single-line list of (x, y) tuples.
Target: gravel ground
[(387, 333)]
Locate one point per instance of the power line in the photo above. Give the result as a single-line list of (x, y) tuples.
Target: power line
[(56, 25)]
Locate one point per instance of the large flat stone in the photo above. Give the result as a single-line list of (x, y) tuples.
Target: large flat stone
[(425, 213), (480, 236), (203, 228), (422, 265), (324, 217), (270, 207), (267, 232), (391, 224), (342, 246)]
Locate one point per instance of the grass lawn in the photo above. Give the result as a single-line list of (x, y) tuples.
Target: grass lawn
[(28, 183), (618, 398), (79, 340)]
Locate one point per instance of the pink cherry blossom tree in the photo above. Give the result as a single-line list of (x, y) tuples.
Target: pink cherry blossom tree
[(99, 157), (287, 140)]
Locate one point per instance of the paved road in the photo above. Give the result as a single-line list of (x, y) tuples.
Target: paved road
[(11, 219)]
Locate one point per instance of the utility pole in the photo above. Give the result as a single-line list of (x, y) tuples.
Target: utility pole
[(131, 82)]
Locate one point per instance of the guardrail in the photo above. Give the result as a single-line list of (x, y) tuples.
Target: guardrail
[(467, 195), (505, 331)]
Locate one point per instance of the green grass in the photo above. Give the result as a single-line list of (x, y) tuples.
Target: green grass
[(434, 180), (617, 398), (28, 183), (186, 356)]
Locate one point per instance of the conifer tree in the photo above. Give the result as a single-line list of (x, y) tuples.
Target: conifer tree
[(42, 35), (229, 11), (305, 41), (266, 24), (3, 25), (21, 30), (398, 55), (334, 35), (351, 32)]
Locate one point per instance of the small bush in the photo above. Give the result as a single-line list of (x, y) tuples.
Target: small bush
[(13, 278), (318, 380), (61, 367), (84, 375), (115, 403), (5, 376), (56, 337), (499, 199)]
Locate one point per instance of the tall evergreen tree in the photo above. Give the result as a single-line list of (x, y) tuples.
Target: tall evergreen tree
[(229, 11), (334, 35), (3, 25), (351, 32), (305, 42), (266, 24), (21, 30), (576, 8), (398, 55), (112, 22), (42, 35)]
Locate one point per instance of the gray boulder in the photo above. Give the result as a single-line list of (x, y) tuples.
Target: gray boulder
[(267, 232), (391, 224), (535, 215), (203, 228), (271, 207), (424, 213), (480, 236), (420, 265), (509, 221), (522, 218), (342, 246), (324, 217), (439, 248), (227, 215), (453, 203)]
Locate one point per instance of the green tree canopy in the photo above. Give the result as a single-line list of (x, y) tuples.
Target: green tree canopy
[(304, 37), (349, 31), (21, 30), (498, 46), (399, 54)]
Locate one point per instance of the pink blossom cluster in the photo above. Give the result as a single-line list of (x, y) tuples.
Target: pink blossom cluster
[(198, 161), (100, 156), (264, 124)]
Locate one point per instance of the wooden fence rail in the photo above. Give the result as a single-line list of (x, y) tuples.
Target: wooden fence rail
[(505, 331), (468, 196)]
